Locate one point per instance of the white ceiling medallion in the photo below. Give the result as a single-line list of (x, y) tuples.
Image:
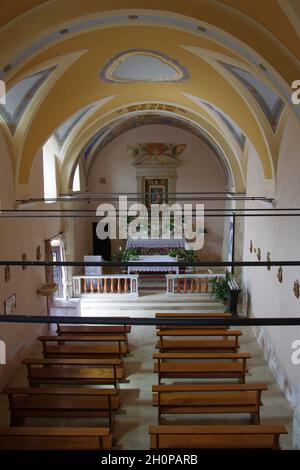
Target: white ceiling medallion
[(143, 65)]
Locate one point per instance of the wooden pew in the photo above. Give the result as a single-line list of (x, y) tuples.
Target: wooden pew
[(208, 398), (80, 372), (193, 316), (81, 402), (85, 330), (221, 345), (44, 438), (216, 437), (95, 347), (201, 365)]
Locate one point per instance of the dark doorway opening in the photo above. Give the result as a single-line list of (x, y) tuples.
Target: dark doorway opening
[(101, 247)]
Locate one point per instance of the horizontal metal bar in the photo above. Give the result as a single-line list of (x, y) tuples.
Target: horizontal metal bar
[(174, 198), (16, 216), (147, 263), (289, 321), (206, 209)]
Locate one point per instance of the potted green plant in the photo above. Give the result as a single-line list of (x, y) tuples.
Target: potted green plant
[(128, 254), (173, 253), (220, 288)]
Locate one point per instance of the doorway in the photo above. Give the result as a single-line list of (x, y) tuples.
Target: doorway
[(101, 247), (58, 273)]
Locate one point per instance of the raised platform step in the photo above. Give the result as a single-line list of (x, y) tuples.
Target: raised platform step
[(88, 305)]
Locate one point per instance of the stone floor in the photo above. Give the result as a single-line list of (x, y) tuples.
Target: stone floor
[(133, 420)]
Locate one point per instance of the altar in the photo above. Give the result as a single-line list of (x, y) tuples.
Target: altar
[(155, 268), (155, 246)]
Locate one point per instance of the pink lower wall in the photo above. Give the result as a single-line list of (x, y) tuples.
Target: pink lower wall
[(18, 236)]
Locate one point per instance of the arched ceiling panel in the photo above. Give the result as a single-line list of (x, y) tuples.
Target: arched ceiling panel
[(269, 101), (262, 35), (88, 139), (19, 97)]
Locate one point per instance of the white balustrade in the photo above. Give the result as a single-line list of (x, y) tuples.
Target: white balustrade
[(122, 284), (189, 283)]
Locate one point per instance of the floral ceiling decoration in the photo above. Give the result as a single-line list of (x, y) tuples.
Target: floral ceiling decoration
[(112, 130), (155, 152)]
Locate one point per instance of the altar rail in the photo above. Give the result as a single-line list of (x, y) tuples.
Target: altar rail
[(189, 283), (106, 284), (199, 284)]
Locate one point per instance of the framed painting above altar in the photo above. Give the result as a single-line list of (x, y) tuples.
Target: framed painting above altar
[(156, 191)]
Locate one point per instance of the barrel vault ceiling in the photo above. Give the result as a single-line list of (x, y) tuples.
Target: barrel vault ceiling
[(221, 69)]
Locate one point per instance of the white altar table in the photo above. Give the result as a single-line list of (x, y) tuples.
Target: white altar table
[(153, 259), (155, 243)]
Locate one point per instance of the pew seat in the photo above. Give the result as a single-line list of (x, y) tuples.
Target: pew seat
[(65, 402), (201, 365), (86, 330), (208, 398), (193, 316), (74, 371), (216, 437), (94, 345), (44, 438), (224, 344)]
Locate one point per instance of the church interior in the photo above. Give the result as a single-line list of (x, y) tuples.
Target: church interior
[(146, 339)]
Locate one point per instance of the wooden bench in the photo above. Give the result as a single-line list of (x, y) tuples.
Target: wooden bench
[(208, 398), (221, 345), (201, 365), (37, 438), (108, 330), (95, 347), (216, 437), (194, 316), (80, 372), (81, 402)]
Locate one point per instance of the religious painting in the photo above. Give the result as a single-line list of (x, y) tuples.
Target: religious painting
[(156, 191), (24, 259), (280, 274), (157, 194), (7, 274), (38, 253), (269, 259), (296, 289), (258, 254)]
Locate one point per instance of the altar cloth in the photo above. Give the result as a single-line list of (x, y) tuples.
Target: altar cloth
[(155, 243), (153, 259)]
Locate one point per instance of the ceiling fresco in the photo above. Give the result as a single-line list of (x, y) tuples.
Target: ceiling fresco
[(113, 130), (143, 65), (65, 129), (19, 97), (270, 103)]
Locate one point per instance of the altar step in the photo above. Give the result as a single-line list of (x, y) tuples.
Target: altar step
[(152, 282), (151, 301)]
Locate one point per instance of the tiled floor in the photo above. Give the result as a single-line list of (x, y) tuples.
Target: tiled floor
[(132, 421)]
